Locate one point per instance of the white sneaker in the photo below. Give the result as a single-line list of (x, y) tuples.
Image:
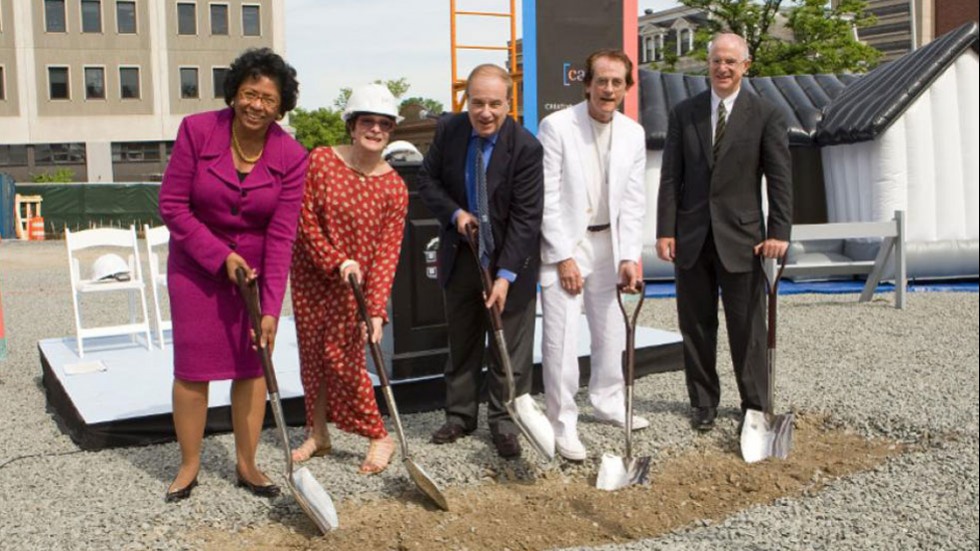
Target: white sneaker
[(639, 423), (570, 447)]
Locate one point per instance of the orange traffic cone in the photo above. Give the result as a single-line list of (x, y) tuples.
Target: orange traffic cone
[(3, 336)]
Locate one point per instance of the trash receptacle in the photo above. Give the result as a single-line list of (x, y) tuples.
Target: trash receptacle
[(418, 316), (7, 193)]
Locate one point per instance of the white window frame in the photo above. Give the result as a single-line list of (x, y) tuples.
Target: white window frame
[(180, 82), (47, 72), (139, 82), (213, 83), (44, 7), (242, 19), (136, 15), (227, 21), (105, 82), (81, 19), (197, 30)]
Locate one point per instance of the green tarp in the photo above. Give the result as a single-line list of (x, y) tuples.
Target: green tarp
[(83, 206)]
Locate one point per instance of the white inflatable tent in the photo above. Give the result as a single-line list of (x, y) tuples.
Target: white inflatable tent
[(902, 137)]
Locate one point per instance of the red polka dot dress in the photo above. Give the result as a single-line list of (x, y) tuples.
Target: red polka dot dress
[(344, 216)]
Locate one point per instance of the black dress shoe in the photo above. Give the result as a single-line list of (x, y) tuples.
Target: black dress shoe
[(181, 494), (704, 418), (449, 433), (507, 445), (267, 490)]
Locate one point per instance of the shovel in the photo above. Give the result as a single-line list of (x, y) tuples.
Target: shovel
[(618, 472), (422, 480), (523, 410), (763, 433), (312, 498)]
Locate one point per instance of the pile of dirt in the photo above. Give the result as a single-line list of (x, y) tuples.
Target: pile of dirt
[(706, 484)]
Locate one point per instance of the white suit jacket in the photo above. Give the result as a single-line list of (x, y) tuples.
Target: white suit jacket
[(569, 146)]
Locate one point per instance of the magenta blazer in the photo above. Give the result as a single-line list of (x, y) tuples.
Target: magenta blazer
[(210, 213)]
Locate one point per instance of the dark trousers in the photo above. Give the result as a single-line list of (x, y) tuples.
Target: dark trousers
[(469, 327), (743, 296)]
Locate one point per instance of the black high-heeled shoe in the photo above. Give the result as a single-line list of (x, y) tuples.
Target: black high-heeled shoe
[(182, 493), (269, 490)]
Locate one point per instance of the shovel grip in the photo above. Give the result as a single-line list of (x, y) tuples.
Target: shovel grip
[(496, 321), (362, 309), (250, 293)]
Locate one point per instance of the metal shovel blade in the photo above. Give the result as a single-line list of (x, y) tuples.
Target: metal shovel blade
[(765, 435), (314, 500), (616, 472), (533, 424), (425, 484)]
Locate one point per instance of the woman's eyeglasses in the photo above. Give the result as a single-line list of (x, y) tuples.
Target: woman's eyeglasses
[(249, 97), (383, 123)]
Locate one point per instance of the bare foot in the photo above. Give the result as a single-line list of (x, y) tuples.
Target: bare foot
[(378, 455)]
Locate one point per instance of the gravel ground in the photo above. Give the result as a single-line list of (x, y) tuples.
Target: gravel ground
[(907, 375)]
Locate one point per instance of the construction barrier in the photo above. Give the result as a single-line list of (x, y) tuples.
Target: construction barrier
[(35, 230)]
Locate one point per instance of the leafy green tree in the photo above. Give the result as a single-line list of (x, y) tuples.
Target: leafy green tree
[(432, 106), (60, 176), (318, 127), (821, 34)]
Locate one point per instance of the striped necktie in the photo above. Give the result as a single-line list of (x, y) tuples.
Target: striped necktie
[(719, 129), (483, 205)]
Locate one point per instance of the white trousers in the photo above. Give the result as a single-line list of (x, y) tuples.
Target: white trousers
[(561, 313)]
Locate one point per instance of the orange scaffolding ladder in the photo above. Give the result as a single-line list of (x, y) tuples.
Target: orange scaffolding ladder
[(458, 82)]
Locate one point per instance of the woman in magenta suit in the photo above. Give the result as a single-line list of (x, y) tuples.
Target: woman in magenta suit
[(230, 196)]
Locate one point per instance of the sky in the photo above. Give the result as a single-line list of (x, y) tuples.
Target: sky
[(346, 43)]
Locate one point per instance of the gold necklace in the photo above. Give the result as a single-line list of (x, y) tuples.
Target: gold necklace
[(238, 149)]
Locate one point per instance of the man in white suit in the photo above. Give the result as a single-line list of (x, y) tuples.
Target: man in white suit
[(594, 201)]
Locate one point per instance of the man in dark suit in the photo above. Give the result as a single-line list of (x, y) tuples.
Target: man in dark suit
[(484, 169), (710, 224)]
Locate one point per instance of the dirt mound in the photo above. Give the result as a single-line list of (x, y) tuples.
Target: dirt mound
[(705, 484)]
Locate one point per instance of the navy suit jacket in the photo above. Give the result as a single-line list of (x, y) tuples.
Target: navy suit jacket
[(515, 190)]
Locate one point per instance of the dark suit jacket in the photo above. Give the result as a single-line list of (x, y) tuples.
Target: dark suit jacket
[(515, 190), (696, 195)]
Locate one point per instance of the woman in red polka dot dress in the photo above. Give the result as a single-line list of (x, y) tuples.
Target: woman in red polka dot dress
[(352, 222)]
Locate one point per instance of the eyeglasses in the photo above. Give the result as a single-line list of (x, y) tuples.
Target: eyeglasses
[(249, 97), (367, 123)]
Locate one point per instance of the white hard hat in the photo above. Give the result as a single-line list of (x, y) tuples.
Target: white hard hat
[(401, 150), (110, 266), (371, 98)]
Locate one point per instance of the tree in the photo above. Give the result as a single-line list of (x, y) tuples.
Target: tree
[(822, 36), (434, 107), (318, 127)]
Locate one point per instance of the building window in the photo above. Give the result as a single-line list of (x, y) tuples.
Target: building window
[(188, 82), (186, 18), (94, 83), (54, 16), (129, 82), (251, 26), (58, 83), (219, 19), (59, 154), (91, 16), (125, 17), (218, 75), (13, 155), (136, 152), (3, 88)]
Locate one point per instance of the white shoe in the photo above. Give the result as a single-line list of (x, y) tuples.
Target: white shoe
[(570, 447), (639, 423)]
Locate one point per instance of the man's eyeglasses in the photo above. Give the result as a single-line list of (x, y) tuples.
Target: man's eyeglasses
[(249, 97), (384, 123)]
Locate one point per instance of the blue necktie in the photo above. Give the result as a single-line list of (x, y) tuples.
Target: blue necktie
[(483, 205)]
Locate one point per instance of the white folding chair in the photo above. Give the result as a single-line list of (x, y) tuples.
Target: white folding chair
[(120, 239), (156, 237)]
